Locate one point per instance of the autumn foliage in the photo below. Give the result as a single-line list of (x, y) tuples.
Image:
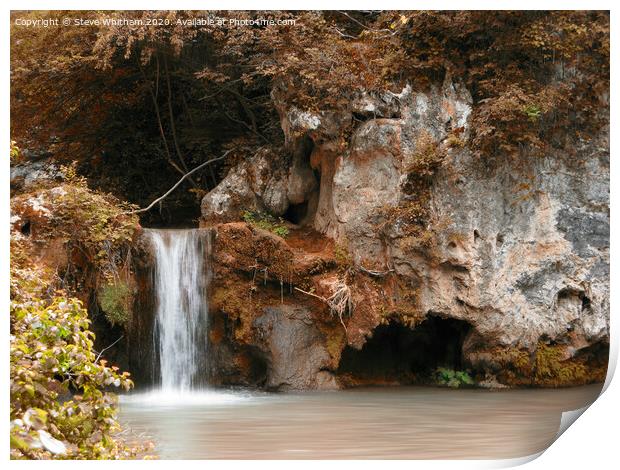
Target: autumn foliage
[(138, 105)]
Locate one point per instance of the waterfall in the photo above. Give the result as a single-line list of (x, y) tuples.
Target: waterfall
[(181, 276)]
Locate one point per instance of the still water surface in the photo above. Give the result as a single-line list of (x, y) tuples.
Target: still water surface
[(370, 423)]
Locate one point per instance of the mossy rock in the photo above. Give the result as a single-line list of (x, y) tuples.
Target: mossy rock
[(115, 300)]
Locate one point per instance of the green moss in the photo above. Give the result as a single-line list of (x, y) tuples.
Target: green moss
[(518, 359), (342, 256), (115, 300), (335, 343), (553, 369), (548, 366), (239, 305), (264, 257), (405, 311)]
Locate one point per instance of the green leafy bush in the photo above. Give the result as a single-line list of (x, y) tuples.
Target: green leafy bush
[(266, 222), (59, 408), (453, 378), (115, 299), (15, 153)]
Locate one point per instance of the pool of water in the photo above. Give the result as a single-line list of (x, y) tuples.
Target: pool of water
[(369, 423)]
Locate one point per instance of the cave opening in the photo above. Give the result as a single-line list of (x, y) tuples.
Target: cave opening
[(302, 208), (399, 354), (25, 230), (296, 213)]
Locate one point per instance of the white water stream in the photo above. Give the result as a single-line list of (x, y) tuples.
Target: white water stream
[(180, 282)]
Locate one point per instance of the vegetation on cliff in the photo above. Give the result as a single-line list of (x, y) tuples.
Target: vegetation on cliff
[(137, 106), (60, 403), (65, 240)]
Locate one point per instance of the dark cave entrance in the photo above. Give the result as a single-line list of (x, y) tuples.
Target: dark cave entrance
[(296, 213), (396, 353), (25, 230), (300, 211)]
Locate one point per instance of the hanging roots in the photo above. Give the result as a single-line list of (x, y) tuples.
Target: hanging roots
[(340, 302)]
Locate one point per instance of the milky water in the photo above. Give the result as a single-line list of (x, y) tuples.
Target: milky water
[(180, 282), (387, 423)]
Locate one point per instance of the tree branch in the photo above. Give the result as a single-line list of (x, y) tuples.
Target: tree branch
[(105, 349), (167, 193), (157, 114), (172, 125)]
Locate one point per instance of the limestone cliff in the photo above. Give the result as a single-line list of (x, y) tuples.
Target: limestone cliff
[(499, 266)]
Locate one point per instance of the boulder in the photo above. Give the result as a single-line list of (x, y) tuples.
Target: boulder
[(297, 358)]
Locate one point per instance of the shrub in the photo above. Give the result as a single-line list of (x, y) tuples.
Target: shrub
[(15, 153), (532, 112), (266, 222), (95, 229), (425, 159), (453, 378), (115, 299), (58, 405), (59, 408), (453, 141)]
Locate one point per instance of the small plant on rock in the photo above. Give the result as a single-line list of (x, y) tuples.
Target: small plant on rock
[(267, 222), (532, 112), (342, 256), (453, 378)]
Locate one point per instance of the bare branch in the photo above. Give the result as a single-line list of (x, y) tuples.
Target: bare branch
[(172, 125), (344, 35), (186, 175), (105, 349), (158, 115), (311, 294), (375, 273), (362, 24)]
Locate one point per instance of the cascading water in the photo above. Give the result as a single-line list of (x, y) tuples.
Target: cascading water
[(181, 276)]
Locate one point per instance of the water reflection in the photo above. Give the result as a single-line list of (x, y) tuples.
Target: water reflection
[(404, 422)]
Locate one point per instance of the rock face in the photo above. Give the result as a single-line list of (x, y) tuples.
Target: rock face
[(516, 249), (24, 176), (264, 332), (295, 348)]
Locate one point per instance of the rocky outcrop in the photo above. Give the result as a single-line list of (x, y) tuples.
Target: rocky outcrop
[(516, 248), (26, 175), (263, 182), (298, 358), (273, 335)]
